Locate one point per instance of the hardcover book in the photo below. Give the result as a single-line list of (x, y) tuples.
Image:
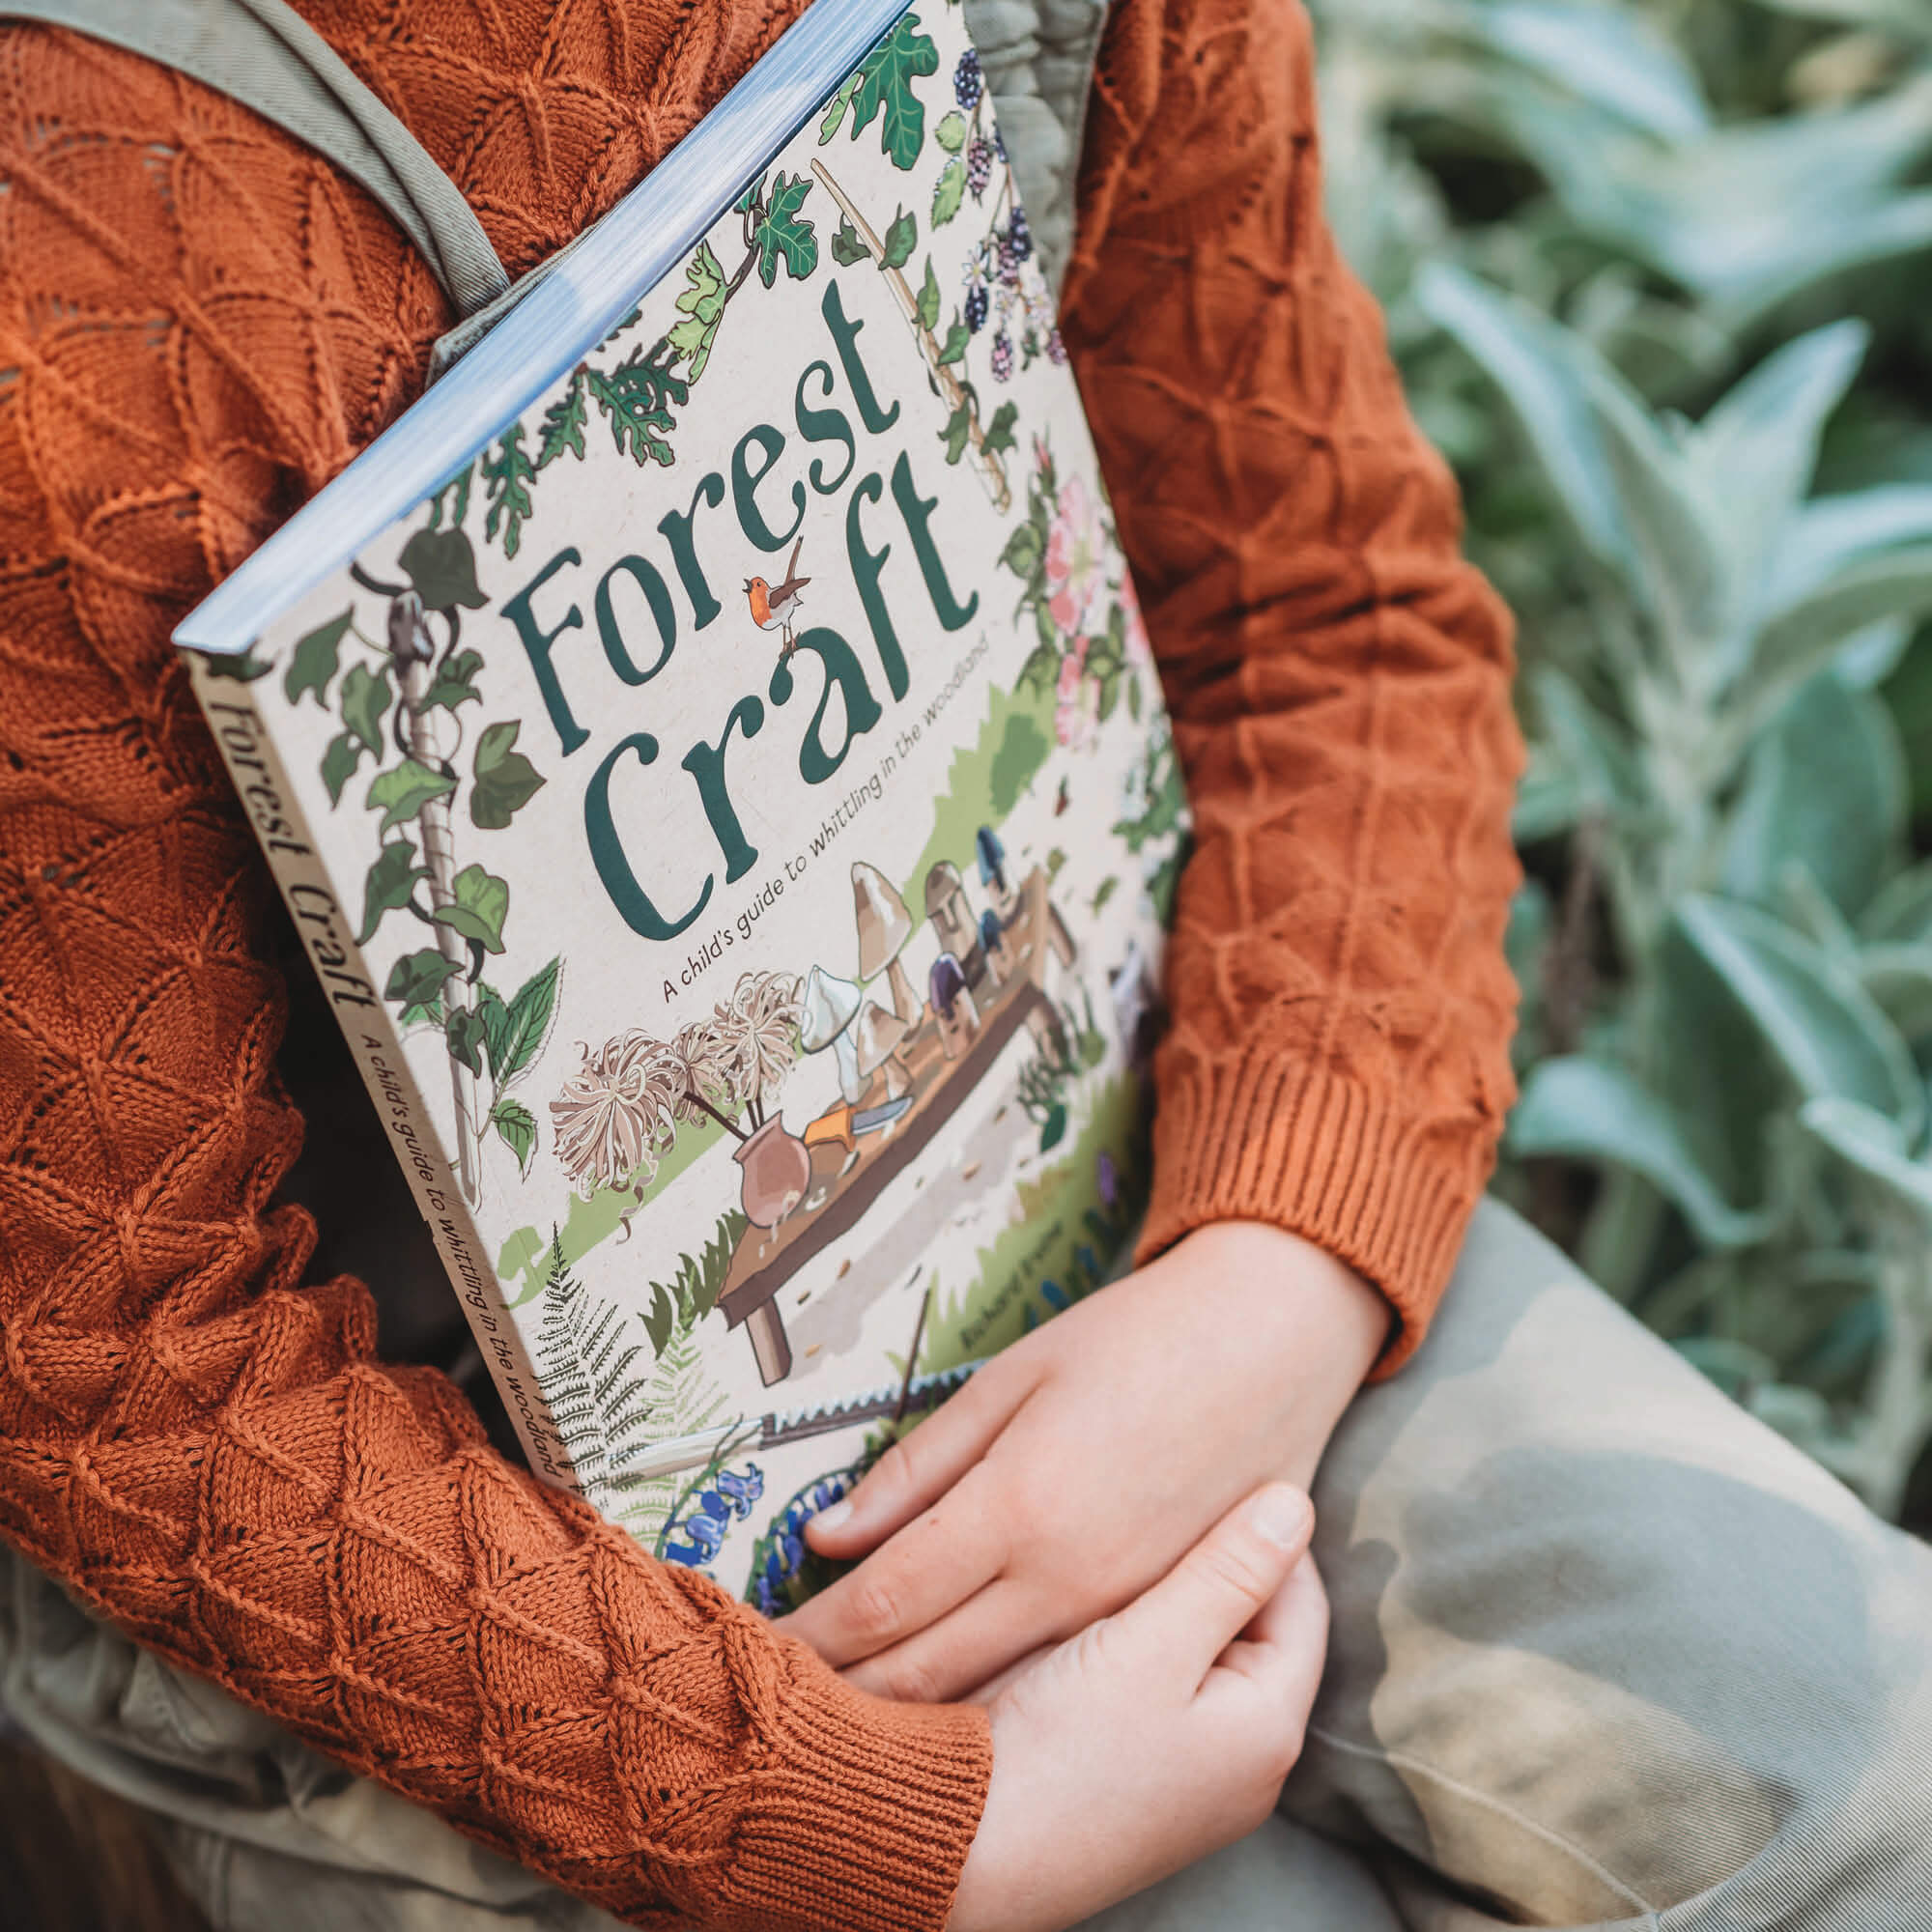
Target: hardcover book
[(710, 752)]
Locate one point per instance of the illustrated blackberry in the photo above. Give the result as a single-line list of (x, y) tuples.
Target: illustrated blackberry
[(967, 81), (978, 167), (1019, 233), (1010, 263), (976, 309), (1056, 350), (1003, 357)]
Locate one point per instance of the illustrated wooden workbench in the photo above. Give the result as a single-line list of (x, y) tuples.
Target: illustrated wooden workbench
[(764, 1262)]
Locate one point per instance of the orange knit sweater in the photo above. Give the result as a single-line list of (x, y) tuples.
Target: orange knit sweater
[(200, 323)]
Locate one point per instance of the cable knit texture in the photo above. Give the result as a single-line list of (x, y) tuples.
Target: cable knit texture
[(202, 323)]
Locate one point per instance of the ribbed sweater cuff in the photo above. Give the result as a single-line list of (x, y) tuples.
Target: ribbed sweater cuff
[(1259, 1139), (863, 1821)]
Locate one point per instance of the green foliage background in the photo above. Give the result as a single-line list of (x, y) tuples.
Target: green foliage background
[(1657, 272)]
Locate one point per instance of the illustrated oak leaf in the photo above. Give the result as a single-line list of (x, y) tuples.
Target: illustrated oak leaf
[(391, 881), (507, 474), (402, 790), (364, 699), (562, 426), (901, 238), (781, 236), (928, 298), (701, 306), (516, 1129), (949, 192), (442, 567), (317, 654), (480, 908), (505, 781), (885, 89), (846, 247), (416, 979)]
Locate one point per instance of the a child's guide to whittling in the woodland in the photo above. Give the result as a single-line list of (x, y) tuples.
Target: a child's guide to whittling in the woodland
[(710, 752)]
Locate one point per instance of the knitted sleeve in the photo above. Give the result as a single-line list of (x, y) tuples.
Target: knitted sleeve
[(1339, 679), (199, 325)]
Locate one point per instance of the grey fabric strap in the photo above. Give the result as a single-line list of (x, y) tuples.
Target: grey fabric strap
[(264, 55)]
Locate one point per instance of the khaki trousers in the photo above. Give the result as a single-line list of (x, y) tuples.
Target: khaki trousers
[(1605, 1653)]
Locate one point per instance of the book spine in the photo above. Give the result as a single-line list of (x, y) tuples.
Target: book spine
[(327, 934)]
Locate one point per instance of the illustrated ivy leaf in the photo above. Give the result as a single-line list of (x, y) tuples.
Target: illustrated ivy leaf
[(317, 654), (243, 669), (505, 780), (1000, 431), (750, 198), (402, 790), (481, 904), (701, 306), (338, 764), (416, 979), (507, 474), (526, 1024), (928, 298), (442, 567), (834, 110), (363, 697), (901, 238), (885, 88), (455, 682), (562, 426), (949, 192), (392, 880), (495, 1017), (463, 1030), (517, 1127), (951, 133), (846, 247), (959, 427), (957, 336), (781, 236)]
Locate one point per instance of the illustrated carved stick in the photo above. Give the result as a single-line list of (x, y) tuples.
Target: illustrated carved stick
[(950, 388)]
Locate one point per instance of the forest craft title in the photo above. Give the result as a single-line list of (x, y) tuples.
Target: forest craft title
[(542, 620)]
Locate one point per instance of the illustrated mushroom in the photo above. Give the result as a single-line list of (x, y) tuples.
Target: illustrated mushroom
[(953, 1006), (827, 1009), (951, 917), (885, 926), (993, 942), (876, 1036), (992, 856)]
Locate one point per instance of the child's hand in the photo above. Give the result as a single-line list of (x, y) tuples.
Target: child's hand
[(1154, 1736), (1077, 1466)]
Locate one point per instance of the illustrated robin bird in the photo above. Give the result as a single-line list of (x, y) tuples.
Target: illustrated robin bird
[(778, 610)]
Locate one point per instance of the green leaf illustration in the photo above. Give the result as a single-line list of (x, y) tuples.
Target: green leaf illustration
[(507, 472), (928, 298), (846, 247), (442, 567), (701, 306), (505, 780), (418, 977), (243, 669), (338, 764), (391, 879), (517, 1127), (951, 133), (885, 83), (455, 682), (562, 426), (781, 236), (1023, 551), (363, 698), (958, 426), (1000, 431), (495, 1017), (834, 110), (317, 654), (948, 192), (402, 790), (462, 1032), (637, 398), (957, 336), (482, 903), (526, 1023), (901, 238)]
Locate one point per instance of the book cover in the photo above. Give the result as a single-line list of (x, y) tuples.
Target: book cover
[(735, 820)]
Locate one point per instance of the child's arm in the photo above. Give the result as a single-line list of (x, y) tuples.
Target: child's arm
[(1337, 1072)]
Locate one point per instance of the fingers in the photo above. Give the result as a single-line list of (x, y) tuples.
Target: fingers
[(928, 1568), (1281, 1650), (958, 1653), (1221, 1585)]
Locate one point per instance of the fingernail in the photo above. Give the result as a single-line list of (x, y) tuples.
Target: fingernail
[(833, 1518), (1282, 1516)]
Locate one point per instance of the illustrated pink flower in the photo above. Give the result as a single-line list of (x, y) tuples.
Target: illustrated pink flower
[(1135, 646), (1076, 698), (1076, 557)]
